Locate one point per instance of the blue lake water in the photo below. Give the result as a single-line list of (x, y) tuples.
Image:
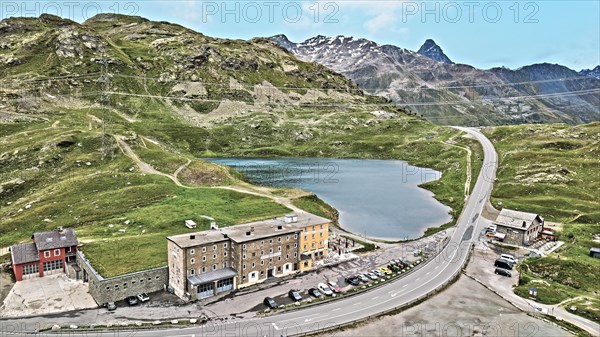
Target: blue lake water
[(376, 198)]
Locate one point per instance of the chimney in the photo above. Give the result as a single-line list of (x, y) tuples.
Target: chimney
[(248, 233), (524, 224), (225, 236), (279, 227), (192, 237), (252, 229)]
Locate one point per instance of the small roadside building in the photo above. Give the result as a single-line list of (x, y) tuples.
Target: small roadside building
[(50, 252), (519, 228)]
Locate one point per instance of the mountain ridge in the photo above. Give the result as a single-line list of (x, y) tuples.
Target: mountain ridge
[(457, 93)]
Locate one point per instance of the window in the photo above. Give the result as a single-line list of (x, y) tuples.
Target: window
[(279, 248), (313, 228), (53, 265), (312, 245), (192, 271), (204, 249), (270, 250), (192, 260), (225, 264), (253, 254), (125, 285), (244, 266), (203, 258), (321, 234), (214, 256), (295, 245), (321, 226), (295, 254), (295, 236), (279, 258), (262, 252), (192, 251), (57, 252), (244, 256), (142, 281), (278, 239), (305, 237), (214, 247), (214, 267), (47, 254), (271, 260), (253, 265), (262, 242), (31, 269), (287, 256), (304, 247), (225, 245), (262, 262), (69, 249), (224, 253), (244, 246), (287, 238), (157, 277), (313, 236)]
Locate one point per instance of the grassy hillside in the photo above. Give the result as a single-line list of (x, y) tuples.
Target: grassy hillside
[(553, 170), (175, 95)]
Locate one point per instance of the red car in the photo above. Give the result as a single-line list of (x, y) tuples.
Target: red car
[(334, 287)]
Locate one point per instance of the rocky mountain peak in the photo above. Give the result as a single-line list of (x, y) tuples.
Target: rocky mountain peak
[(595, 73), (434, 52)]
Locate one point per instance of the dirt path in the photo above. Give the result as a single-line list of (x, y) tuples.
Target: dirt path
[(147, 168), (469, 155), (143, 166)]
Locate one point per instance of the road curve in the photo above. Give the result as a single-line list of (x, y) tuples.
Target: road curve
[(432, 275)]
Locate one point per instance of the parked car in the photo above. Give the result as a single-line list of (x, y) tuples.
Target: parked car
[(353, 280), (334, 286), (364, 278), (295, 295), (314, 292), (143, 297), (503, 272), (372, 276), (323, 288), (385, 271), (132, 300), (378, 273), (490, 234), (111, 306), (393, 267), (510, 258), (270, 303), (503, 264)]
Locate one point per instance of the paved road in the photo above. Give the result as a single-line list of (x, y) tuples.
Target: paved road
[(434, 274)]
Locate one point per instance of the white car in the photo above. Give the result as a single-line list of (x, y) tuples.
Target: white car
[(509, 258), (143, 297), (323, 288)]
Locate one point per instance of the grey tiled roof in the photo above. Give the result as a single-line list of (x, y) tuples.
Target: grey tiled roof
[(211, 276), (24, 253), (55, 239)]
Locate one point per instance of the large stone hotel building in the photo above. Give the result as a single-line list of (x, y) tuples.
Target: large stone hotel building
[(210, 262)]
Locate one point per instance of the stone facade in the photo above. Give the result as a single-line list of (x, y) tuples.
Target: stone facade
[(113, 289)]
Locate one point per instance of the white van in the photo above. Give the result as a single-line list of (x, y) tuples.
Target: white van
[(509, 257)]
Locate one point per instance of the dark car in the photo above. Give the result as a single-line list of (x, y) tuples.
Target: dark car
[(295, 295), (314, 292), (503, 272), (270, 302), (502, 263), (393, 267), (353, 280), (132, 300)]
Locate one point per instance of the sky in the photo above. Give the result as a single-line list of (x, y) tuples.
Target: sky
[(484, 34)]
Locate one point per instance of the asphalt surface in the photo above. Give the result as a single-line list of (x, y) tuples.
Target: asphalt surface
[(435, 273)]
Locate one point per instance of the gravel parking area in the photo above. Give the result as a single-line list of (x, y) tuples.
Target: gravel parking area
[(50, 294), (466, 309)]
